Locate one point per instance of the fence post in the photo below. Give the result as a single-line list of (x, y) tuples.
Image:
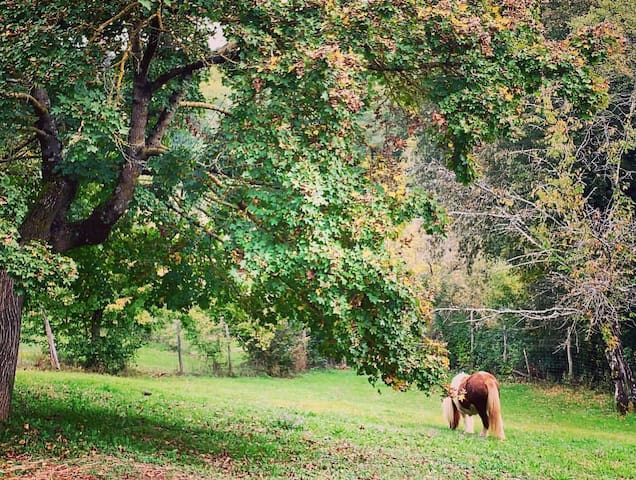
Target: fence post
[(229, 350), (505, 344), (178, 325)]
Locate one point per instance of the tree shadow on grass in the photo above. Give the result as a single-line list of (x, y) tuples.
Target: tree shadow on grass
[(63, 427)]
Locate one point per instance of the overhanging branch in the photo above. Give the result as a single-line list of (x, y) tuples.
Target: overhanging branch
[(546, 314), (206, 106)]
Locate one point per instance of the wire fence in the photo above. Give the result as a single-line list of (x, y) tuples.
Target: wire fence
[(544, 353)]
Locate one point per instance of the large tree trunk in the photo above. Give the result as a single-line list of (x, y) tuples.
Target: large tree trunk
[(10, 319), (622, 375)]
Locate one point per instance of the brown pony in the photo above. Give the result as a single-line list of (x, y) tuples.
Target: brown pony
[(471, 395)]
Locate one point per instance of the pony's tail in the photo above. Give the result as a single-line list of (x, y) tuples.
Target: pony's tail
[(451, 414), (493, 406)]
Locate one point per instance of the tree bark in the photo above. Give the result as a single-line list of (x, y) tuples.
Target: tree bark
[(55, 362), (568, 352), (10, 320), (622, 375)]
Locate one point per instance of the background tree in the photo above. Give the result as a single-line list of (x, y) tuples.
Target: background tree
[(588, 209), (101, 325), (559, 204)]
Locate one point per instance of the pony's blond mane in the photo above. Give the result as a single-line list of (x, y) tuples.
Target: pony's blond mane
[(456, 384), (449, 407)]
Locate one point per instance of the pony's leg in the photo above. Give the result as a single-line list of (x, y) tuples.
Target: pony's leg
[(469, 426), (485, 422)]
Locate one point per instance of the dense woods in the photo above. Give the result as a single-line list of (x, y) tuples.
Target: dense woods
[(557, 204), (406, 185)]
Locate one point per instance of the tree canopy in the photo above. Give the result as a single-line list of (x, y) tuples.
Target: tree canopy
[(100, 103)]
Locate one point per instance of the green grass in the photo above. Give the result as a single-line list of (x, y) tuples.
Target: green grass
[(160, 361), (323, 425), (153, 359)]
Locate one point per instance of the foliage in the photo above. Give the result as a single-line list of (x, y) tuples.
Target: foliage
[(557, 16), (34, 266), (105, 317), (203, 333), (276, 349), (284, 209), (471, 298), (108, 348)]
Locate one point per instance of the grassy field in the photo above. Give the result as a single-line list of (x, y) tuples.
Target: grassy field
[(323, 425)]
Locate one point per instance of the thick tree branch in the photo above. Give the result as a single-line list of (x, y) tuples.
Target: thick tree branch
[(50, 145), (49, 210), (97, 226), (40, 109), (223, 54), (50, 224)]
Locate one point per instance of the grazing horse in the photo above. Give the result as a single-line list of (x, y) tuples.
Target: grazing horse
[(471, 395)]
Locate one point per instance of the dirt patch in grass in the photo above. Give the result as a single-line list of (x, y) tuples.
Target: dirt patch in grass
[(93, 467)]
